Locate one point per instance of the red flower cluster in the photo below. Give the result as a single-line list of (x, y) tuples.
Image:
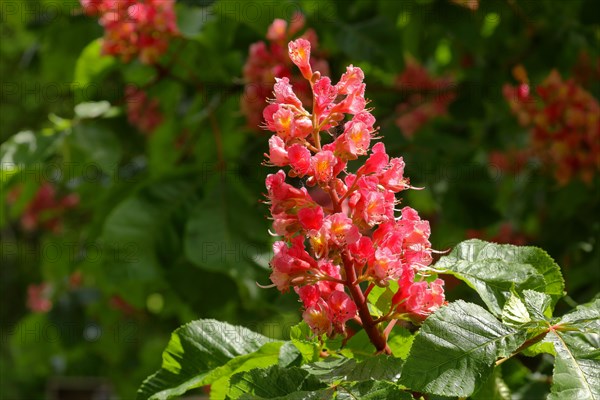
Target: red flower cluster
[(142, 112), (356, 236), (265, 62), (472, 5), (565, 125), (135, 28), (39, 297), (45, 209), (427, 97)]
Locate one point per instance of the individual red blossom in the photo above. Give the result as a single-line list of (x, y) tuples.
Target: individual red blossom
[(330, 245), (325, 95), (392, 178), (284, 196), (418, 299), (277, 154), (385, 264), (564, 126), (322, 165), (311, 218), (300, 159), (351, 80), (340, 229), (362, 250), (300, 55), (426, 97), (355, 140), (284, 94), (341, 308), (135, 28), (317, 318), (269, 60), (290, 263), (376, 162), (354, 103)]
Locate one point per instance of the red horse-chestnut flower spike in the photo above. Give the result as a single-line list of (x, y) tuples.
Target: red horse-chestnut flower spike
[(564, 124), (330, 248)]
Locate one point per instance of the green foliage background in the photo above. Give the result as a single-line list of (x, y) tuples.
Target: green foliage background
[(177, 232)]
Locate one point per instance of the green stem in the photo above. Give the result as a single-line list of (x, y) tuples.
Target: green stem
[(525, 345)]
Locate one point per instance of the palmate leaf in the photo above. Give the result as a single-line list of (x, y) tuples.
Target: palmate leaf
[(493, 270), (455, 350), (203, 352), (577, 359)]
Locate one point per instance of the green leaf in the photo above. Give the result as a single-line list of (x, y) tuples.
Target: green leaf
[(190, 20), (196, 350), (381, 297), (576, 373), (26, 149), (289, 355), (272, 382), (493, 270), (586, 317), (214, 239), (494, 388), (372, 390), (538, 304), (359, 346), (266, 356), (577, 359), (90, 68), (527, 314), (514, 312), (97, 145), (455, 350), (400, 342), (302, 337), (140, 236), (381, 367)]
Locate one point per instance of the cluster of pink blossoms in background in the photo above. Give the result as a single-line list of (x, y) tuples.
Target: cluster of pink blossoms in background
[(265, 62), (354, 237), (135, 28), (427, 97), (142, 111), (472, 5), (565, 126), (45, 209)]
